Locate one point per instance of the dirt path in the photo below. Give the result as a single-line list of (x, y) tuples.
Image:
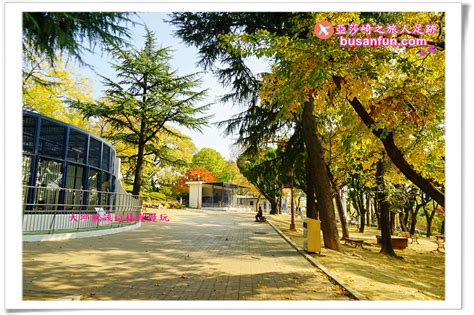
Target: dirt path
[(419, 276)]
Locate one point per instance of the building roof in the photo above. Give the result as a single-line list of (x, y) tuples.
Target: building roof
[(225, 185), (66, 125)]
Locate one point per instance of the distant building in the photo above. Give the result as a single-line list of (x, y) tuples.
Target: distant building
[(220, 196), (248, 201)]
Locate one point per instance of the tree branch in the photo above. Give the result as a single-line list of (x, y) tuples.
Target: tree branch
[(393, 151)]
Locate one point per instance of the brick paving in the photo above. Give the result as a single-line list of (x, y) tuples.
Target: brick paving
[(197, 255)]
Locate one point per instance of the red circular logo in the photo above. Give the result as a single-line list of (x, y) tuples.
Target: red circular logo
[(323, 30)]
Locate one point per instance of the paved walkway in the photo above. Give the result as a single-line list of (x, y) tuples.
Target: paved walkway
[(195, 256)]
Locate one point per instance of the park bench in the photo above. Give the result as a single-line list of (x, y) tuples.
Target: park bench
[(354, 242), (413, 237), (398, 242)]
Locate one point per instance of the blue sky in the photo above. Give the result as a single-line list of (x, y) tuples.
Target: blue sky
[(185, 61)]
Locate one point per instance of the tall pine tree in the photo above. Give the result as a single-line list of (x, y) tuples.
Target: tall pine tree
[(144, 97)]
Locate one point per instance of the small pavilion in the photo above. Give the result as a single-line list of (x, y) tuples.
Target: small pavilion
[(213, 195)]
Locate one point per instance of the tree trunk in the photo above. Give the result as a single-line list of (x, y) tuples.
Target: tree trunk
[(362, 211), (137, 181), (273, 206), (357, 197), (401, 216), (392, 222), (272, 201), (362, 221), (377, 213), (393, 151), (429, 219), (367, 209), (414, 220), (429, 222), (322, 186), (257, 202), (311, 209), (342, 214), (397, 156), (381, 196), (339, 206), (354, 204)]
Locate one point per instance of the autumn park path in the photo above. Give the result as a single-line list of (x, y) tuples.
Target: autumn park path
[(197, 255)]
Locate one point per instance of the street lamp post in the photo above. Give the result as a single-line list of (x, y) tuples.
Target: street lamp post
[(292, 224)]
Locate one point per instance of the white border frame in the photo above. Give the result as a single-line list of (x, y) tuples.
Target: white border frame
[(13, 243)]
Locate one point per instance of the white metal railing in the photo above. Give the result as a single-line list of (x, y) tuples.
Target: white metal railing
[(52, 209)]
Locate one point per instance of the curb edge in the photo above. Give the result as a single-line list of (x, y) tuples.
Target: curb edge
[(356, 295)]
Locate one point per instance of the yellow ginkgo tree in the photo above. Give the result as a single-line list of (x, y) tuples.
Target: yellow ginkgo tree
[(45, 90)]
